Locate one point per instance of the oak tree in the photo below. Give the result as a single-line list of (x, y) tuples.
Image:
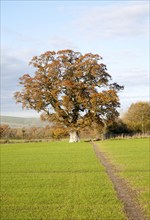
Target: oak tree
[(71, 89)]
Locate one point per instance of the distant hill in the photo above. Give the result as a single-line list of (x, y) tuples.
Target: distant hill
[(18, 122)]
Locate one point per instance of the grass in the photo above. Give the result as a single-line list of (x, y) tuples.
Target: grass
[(132, 157), (55, 181)]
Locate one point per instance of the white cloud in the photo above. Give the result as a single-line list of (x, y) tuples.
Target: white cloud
[(16, 35), (113, 20), (58, 43)]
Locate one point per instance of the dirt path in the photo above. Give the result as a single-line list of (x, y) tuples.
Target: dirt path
[(125, 193)]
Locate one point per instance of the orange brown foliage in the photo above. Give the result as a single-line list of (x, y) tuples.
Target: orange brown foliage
[(71, 89)]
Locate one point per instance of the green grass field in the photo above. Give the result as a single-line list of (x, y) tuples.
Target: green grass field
[(53, 181), (132, 158)]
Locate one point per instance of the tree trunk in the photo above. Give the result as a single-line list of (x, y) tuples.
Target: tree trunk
[(74, 137)]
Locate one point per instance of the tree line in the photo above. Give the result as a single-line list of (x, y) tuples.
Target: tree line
[(26, 133), (135, 120)]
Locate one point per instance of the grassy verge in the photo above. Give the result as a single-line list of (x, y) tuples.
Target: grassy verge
[(132, 159), (55, 181)]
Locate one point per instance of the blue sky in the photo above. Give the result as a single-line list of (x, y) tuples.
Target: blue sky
[(117, 30)]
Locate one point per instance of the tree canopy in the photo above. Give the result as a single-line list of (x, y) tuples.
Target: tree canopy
[(71, 89), (137, 117)]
